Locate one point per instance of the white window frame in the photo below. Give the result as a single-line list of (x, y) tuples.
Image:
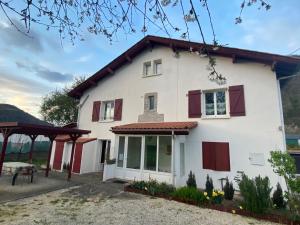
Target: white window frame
[(215, 116), (142, 154), (102, 111), (146, 72), (155, 63)]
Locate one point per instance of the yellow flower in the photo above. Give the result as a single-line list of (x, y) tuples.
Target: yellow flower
[(241, 207), (205, 193), (233, 211), (207, 198), (222, 192), (214, 194)]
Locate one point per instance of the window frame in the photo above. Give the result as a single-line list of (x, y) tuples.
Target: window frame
[(149, 97), (155, 63), (103, 112), (215, 116), (147, 72)]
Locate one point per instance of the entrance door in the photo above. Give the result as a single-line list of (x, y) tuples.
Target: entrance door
[(105, 151)]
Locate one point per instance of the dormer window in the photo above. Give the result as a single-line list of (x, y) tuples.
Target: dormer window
[(147, 68), (157, 67)]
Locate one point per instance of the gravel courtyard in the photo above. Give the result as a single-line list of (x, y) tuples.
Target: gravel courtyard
[(85, 205)]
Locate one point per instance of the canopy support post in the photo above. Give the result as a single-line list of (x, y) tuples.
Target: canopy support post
[(6, 133), (51, 138), (74, 138), (32, 137)]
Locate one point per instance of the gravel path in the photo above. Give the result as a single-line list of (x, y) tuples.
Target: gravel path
[(63, 207)]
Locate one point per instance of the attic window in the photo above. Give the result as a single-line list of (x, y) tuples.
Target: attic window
[(157, 67), (147, 68)]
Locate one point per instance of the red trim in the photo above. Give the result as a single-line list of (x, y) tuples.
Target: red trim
[(284, 63), (77, 158), (194, 102), (237, 100), (59, 149)]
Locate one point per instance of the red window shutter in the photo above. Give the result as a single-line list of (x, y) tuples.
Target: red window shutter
[(194, 104), (222, 156), (237, 100), (208, 155), (118, 109), (96, 111)]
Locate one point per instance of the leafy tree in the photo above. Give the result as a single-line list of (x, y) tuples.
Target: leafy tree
[(58, 108), (278, 199)]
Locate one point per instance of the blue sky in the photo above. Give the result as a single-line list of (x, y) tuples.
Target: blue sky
[(31, 67)]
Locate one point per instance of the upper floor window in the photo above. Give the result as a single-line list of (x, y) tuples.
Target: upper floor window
[(107, 110), (151, 102), (147, 68), (157, 67), (215, 103)]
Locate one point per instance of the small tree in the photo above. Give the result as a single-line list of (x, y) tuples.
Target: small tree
[(209, 186), (284, 165), (228, 190), (278, 199), (191, 181)]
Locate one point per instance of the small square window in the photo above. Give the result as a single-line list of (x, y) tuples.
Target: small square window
[(157, 67), (151, 102), (147, 68)]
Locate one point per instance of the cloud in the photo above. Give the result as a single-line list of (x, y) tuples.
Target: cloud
[(84, 58), (45, 73), (11, 36)]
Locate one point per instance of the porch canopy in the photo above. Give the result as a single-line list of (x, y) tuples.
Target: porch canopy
[(33, 130), (178, 128)]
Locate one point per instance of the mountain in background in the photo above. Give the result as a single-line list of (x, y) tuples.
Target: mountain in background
[(290, 89)]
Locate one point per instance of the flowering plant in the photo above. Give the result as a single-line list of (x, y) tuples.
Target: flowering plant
[(217, 196)]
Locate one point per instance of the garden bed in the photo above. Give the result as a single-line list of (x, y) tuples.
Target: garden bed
[(230, 208)]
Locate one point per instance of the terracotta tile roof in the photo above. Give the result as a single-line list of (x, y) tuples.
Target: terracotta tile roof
[(162, 127), (66, 138)]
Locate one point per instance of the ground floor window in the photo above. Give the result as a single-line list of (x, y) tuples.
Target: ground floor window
[(134, 152), (156, 155)]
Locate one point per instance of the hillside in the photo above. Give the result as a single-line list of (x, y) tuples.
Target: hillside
[(290, 89)]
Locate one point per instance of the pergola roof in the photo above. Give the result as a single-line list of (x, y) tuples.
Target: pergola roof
[(34, 129), (155, 128)]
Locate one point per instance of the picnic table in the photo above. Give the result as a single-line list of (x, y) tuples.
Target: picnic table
[(16, 168)]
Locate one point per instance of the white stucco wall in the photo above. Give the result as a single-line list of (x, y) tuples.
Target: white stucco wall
[(89, 157), (257, 132)]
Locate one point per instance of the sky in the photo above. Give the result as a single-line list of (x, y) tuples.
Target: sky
[(33, 66)]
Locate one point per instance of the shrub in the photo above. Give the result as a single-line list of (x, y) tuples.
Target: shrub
[(190, 194), (209, 186), (191, 181), (153, 187), (255, 193), (228, 190), (278, 200)]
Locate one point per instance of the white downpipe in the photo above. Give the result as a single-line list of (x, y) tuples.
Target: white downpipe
[(173, 159), (281, 115)]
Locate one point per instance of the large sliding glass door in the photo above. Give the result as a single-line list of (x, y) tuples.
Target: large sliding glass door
[(134, 152)]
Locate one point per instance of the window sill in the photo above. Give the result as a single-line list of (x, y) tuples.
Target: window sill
[(106, 121), (151, 75), (215, 117)]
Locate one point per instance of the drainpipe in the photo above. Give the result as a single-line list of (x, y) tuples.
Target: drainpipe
[(173, 158)]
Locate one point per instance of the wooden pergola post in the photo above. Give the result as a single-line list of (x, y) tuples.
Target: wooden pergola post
[(6, 133), (32, 137), (51, 138), (74, 138)]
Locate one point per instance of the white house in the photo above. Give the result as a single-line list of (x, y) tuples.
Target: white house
[(156, 112)]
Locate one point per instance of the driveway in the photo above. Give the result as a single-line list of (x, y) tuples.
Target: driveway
[(106, 203)]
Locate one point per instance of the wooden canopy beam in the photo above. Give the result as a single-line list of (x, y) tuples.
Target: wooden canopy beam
[(74, 138), (51, 138), (6, 133), (32, 137)]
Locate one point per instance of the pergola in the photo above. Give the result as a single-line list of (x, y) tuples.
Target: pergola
[(33, 130)]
